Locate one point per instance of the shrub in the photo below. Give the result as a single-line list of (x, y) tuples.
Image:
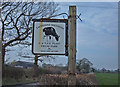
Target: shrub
[(12, 72), (54, 79)]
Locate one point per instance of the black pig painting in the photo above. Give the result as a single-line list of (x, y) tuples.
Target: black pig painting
[(50, 31)]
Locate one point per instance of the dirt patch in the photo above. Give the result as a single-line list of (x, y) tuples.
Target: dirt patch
[(81, 79)]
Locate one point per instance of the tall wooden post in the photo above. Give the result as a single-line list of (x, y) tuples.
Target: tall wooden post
[(72, 46)]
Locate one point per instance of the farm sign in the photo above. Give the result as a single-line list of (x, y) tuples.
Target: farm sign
[(49, 37)]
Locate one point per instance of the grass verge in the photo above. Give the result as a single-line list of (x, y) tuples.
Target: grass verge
[(107, 78)]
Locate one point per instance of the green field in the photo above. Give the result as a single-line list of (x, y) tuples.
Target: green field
[(107, 78)]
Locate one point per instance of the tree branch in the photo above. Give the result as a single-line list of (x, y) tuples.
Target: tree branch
[(11, 11)]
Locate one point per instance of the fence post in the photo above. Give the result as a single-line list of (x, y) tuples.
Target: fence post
[(72, 46)]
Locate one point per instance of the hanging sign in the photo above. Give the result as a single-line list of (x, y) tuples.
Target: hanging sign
[(50, 37)]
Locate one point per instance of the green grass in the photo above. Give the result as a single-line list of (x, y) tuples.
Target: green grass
[(107, 78)]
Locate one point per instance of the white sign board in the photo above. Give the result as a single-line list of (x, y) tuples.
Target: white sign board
[(49, 37)]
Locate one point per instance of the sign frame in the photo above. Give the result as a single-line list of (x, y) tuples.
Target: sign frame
[(51, 20)]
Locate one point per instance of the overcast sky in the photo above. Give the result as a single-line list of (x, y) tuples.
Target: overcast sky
[(97, 34)]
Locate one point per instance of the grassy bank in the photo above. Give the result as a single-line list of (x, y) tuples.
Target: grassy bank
[(13, 75), (11, 81), (107, 78)]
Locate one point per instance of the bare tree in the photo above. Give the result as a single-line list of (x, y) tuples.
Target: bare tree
[(16, 19)]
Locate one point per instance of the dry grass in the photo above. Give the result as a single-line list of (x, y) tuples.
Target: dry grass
[(81, 79)]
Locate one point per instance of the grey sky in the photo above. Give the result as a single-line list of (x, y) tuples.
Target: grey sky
[(97, 35)]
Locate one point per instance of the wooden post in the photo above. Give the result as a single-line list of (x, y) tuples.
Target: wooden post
[(35, 66), (72, 46), (36, 60)]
